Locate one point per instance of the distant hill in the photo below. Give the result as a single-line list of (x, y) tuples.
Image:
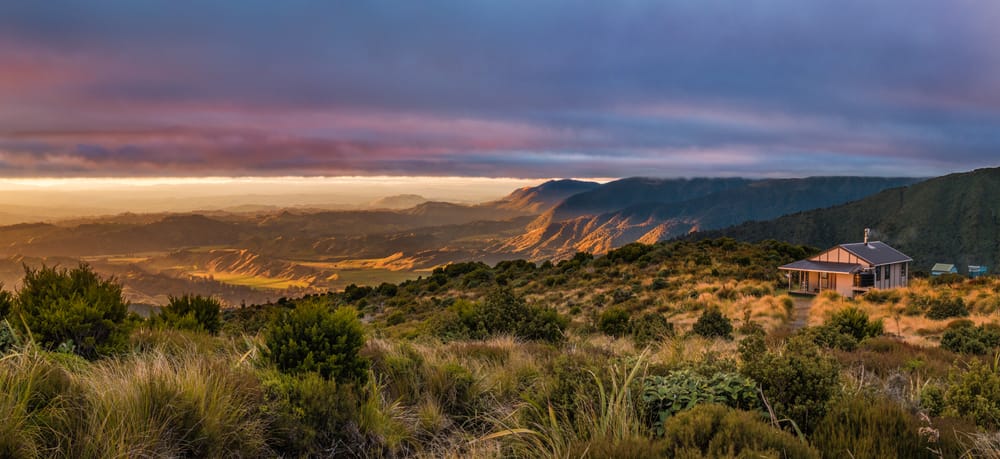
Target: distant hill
[(949, 219), (623, 193), (724, 202), (399, 201), (541, 198)]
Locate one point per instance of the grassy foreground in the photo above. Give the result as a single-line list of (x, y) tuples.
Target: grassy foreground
[(688, 352)]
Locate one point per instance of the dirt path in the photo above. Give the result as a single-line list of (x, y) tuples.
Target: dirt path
[(800, 312)]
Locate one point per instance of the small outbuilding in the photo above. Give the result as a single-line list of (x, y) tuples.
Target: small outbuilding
[(850, 269), (943, 268), (977, 271)]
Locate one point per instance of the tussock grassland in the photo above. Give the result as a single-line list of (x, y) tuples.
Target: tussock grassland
[(670, 350)]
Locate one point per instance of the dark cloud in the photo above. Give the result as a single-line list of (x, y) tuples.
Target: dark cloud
[(532, 88)]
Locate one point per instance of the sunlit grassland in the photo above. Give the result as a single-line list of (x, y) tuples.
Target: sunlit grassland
[(259, 282)]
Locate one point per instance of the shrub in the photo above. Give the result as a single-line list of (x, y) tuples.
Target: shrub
[(6, 302), (865, 427), (947, 306), (614, 321), (975, 393), (665, 396), (797, 382), (712, 323), (192, 312), (621, 295), (880, 296), (932, 400), (845, 329), (965, 338), (311, 338), (8, 336), (500, 312), (854, 321), (311, 414), (650, 327), (717, 431), (74, 308)]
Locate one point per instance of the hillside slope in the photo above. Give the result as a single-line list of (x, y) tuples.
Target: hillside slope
[(654, 221), (541, 198), (950, 219)]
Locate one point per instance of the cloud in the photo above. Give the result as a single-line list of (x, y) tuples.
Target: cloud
[(539, 88)]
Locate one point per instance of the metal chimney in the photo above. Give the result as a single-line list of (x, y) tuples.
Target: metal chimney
[(867, 231)]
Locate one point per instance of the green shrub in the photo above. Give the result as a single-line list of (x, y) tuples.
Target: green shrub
[(6, 302), (614, 321), (854, 321), (312, 338), (845, 329), (866, 427), (712, 323), (964, 338), (946, 306), (798, 381), (974, 393), (932, 400), (500, 312), (74, 308), (665, 396), (311, 415), (717, 431), (9, 338), (192, 312), (650, 328), (882, 296)]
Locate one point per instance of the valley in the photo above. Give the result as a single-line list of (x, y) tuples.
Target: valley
[(265, 254)]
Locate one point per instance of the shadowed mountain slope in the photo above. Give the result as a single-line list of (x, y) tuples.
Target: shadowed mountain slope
[(951, 219)]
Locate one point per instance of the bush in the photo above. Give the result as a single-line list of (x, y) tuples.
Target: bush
[(649, 328), (311, 338), (717, 431), (311, 414), (192, 312), (845, 329), (9, 338), (798, 382), (665, 396), (6, 302), (854, 321), (964, 338), (614, 321), (880, 296), (947, 306), (74, 308), (500, 312), (712, 323), (975, 393), (863, 427)]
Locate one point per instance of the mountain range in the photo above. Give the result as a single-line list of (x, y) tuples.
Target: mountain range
[(270, 252)]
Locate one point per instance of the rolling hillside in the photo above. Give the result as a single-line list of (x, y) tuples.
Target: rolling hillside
[(949, 219)]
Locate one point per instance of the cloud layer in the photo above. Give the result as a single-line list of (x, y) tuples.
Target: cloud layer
[(512, 88)]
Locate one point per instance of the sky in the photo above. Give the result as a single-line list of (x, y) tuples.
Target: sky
[(486, 88)]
